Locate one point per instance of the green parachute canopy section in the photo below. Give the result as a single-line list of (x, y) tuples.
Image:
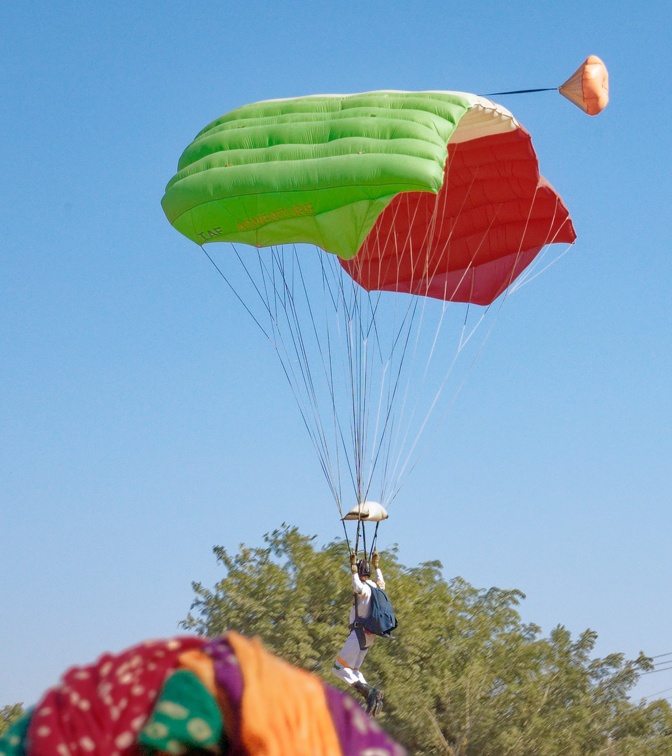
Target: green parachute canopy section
[(316, 170)]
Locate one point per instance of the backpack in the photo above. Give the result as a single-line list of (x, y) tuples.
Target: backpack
[(381, 621)]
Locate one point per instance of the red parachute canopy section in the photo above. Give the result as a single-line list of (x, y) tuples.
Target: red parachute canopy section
[(588, 86), (492, 216)]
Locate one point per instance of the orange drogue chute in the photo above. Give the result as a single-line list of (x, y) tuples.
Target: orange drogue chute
[(588, 86)]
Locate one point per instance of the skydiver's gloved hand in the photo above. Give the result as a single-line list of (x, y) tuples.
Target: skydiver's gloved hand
[(353, 562), (375, 560)]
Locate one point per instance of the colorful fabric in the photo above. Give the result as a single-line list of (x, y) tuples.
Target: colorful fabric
[(198, 662), (230, 683), (184, 716), (100, 709), (358, 734), (281, 704), (172, 697)]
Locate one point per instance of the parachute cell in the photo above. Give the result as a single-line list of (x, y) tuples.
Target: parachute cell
[(317, 170), (492, 216)]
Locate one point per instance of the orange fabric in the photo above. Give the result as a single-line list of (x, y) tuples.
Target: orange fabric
[(588, 86), (281, 705), (201, 665)]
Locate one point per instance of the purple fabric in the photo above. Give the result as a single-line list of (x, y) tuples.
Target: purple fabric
[(227, 670), (230, 680), (357, 732)]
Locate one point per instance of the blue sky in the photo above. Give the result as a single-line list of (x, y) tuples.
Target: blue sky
[(143, 419)]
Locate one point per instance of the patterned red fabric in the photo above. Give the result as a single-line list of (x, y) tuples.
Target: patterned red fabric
[(100, 708)]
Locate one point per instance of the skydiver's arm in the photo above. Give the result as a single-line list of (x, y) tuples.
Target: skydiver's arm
[(380, 580), (357, 586)]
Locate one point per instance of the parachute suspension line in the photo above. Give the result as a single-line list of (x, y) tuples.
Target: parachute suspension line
[(404, 468), (395, 383), (389, 386), (277, 295), (368, 363), (329, 374), (360, 372), (450, 405), (310, 387), (345, 533), (338, 297), (353, 346), (510, 289), (357, 534), (411, 321), (402, 421), (327, 363), (429, 235), (266, 302), (374, 363), (375, 540), (531, 272), (238, 297), (277, 341)]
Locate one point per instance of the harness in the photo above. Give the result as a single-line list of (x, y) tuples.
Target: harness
[(380, 621)]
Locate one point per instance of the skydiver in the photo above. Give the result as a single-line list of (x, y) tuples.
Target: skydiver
[(352, 655)]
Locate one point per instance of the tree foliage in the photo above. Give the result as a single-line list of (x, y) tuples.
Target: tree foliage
[(465, 675), (9, 715)]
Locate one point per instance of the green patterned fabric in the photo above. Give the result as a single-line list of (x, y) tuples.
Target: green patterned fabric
[(12, 741), (185, 718), (315, 169)]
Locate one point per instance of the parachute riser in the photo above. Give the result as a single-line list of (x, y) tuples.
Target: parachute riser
[(361, 534)]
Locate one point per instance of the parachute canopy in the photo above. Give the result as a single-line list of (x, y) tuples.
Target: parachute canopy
[(588, 86), (430, 193), (425, 200)]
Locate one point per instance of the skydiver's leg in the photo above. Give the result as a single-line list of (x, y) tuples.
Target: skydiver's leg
[(362, 655), (372, 696), (349, 659)]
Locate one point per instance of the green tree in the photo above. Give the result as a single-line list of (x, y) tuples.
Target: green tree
[(465, 675), (9, 715)]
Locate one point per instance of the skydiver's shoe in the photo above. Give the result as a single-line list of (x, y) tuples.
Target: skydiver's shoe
[(363, 689), (374, 702)]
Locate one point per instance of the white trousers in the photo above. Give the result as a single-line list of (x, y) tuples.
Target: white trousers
[(350, 659)]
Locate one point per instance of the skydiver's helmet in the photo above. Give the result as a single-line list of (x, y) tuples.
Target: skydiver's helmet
[(363, 568)]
